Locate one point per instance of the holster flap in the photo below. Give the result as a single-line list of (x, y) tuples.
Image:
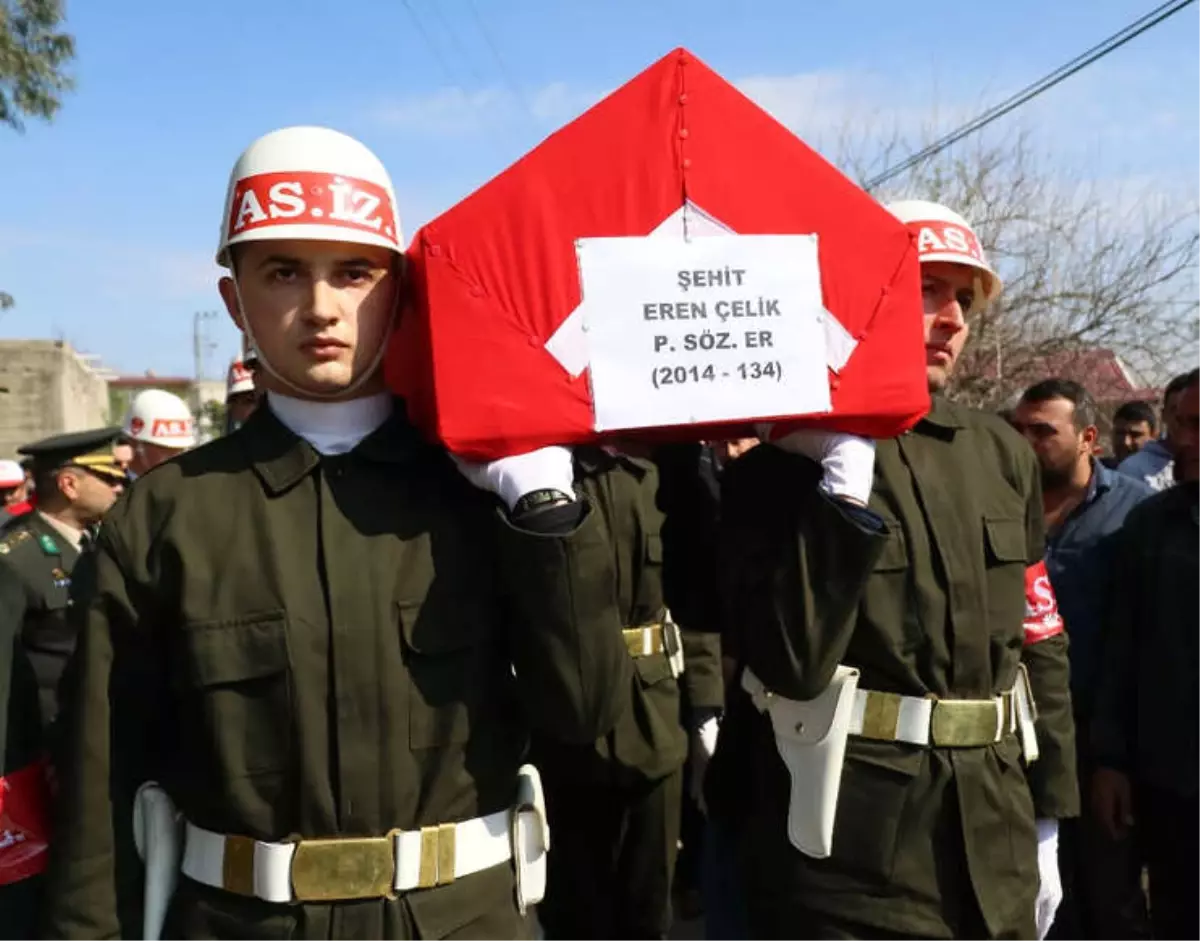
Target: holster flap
[(811, 738)]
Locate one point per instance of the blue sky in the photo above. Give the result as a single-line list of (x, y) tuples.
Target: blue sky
[(109, 215)]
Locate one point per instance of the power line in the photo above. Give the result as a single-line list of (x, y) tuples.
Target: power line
[(456, 46), (500, 64), (1065, 71), (449, 74), (437, 52)]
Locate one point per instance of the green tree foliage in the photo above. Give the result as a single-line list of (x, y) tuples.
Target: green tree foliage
[(33, 55), (213, 414)]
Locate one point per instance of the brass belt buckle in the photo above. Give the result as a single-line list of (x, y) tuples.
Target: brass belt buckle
[(341, 869), (963, 723), (635, 641)]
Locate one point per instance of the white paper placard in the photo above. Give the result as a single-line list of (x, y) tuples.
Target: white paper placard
[(721, 328)]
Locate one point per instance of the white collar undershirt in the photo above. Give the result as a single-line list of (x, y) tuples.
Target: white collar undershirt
[(332, 427)]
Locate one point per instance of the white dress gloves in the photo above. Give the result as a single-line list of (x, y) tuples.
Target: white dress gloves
[(510, 478), (704, 744), (1050, 891), (848, 461)]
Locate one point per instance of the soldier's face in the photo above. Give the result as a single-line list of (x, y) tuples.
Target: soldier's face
[(948, 291), (319, 312), (1186, 442), (1049, 427), (123, 454), (241, 406), (91, 495), (147, 456)]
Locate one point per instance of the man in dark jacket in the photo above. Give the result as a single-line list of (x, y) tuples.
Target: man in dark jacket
[(1085, 504), (1145, 721)]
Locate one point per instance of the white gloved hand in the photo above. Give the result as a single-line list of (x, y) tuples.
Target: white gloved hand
[(510, 478), (1050, 891), (704, 745), (848, 460)]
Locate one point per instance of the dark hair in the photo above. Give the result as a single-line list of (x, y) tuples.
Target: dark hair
[(45, 481), (1134, 412), (1179, 383), (1050, 389)]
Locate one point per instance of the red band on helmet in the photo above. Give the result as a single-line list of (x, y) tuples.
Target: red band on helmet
[(1042, 620), (942, 238), (171, 428), (309, 198)]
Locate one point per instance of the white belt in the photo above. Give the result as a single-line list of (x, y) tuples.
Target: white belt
[(347, 868), (962, 723)]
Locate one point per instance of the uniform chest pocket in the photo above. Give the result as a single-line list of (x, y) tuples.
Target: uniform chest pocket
[(445, 652), (235, 686), (885, 596), (1005, 541)]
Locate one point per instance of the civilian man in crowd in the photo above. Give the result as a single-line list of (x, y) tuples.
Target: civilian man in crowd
[(1134, 426), (1144, 734), (1085, 505), (1152, 463)]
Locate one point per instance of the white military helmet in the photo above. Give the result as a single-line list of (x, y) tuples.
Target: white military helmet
[(240, 379), (158, 417), (309, 183), (11, 474), (943, 235)]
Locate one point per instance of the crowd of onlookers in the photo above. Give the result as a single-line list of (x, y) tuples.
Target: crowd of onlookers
[(1122, 554)]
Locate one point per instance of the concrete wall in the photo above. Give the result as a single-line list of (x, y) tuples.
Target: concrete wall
[(50, 391)]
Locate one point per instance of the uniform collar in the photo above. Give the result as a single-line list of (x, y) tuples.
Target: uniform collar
[(944, 414), (73, 536), (282, 458), (592, 459)]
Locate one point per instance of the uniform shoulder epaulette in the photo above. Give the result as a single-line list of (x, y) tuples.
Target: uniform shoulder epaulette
[(12, 538)]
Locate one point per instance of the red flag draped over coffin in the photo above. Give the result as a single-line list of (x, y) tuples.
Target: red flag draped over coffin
[(496, 276)]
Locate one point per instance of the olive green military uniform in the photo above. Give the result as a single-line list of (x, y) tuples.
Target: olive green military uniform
[(929, 842), (43, 560), (320, 647), (21, 747), (614, 805), (688, 495)]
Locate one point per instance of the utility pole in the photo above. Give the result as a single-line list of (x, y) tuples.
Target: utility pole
[(200, 348), (199, 342)]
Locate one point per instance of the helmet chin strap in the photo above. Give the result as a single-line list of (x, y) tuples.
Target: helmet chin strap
[(301, 392)]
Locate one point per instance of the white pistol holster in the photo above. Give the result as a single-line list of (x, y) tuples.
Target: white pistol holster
[(158, 833), (811, 738), (1027, 714), (530, 838)]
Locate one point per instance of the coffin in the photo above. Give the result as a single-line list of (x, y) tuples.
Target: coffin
[(493, 350)]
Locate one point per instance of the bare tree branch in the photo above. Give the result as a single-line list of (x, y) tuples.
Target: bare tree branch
[(1085, 267)]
